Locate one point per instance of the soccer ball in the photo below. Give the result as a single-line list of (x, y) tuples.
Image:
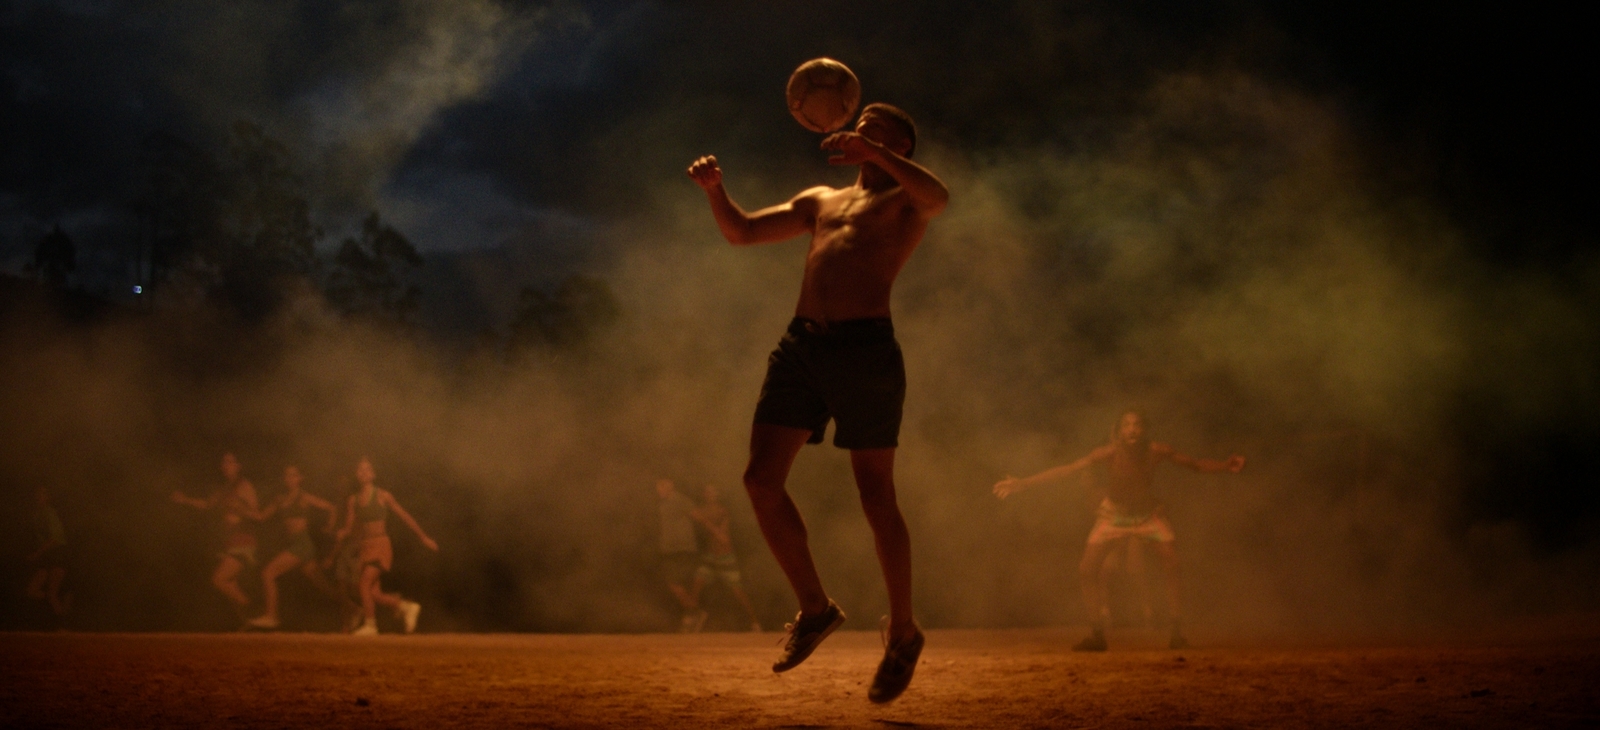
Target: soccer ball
[(823, 94)]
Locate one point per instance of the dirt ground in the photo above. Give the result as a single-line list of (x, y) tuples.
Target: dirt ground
[(1013, 678)]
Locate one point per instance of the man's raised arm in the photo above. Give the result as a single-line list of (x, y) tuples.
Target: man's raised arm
[(1232, 464), (1011, 485), (763, 226), (926, 191)]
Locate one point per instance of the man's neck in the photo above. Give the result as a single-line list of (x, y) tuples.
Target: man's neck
[(873, 179)]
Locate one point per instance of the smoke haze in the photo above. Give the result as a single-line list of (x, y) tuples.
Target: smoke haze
[(1146, 212)]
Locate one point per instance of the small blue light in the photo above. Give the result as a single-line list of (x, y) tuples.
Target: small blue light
[(138, 289)]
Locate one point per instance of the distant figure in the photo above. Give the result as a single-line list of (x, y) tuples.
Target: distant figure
[(366, 513), (293, 507), (1129, 511), (48, 561), (54, 257), (236, 500), (680, 552), (718, 559), (342, 562), (839, 361)]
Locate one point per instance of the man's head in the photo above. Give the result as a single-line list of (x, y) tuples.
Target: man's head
[(1130, 430), (292, 477), (230, 466), (889, 126), (365, 474), (664, 488)]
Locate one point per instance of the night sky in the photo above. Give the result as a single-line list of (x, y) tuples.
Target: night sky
[(1151, 174)]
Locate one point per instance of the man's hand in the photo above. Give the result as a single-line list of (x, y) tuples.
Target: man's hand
[(706, 173), (1234, 463), (429, 543), (1007, 487), (852, 148)]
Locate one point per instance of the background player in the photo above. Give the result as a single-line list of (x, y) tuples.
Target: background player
[(236, 500), (48, 561), (294, 507), (718, 559), (1129, 511), (680, 552), (366, 515)]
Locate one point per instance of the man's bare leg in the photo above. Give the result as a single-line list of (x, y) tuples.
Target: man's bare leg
[(226, 580), (1091, 578), (1168, 553), (772, 453), (874, 471)]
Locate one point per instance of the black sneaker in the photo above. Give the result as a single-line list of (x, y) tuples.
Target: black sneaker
[(894, 672), (1095, 641), (805, 634)]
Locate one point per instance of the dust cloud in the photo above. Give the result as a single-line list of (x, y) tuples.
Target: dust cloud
[(1222, 252)]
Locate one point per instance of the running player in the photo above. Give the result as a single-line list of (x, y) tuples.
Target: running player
[(294, 507), (1129, 511), (718, 559), (48, 560), (236, 501), (839, 360), (367, 512)]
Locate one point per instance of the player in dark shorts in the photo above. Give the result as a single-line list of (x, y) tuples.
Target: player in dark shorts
[(236, 501), (1129, 511), (839, 361), (717, 560), (293, 508), (680, 552), (48, 561), (366, 513)]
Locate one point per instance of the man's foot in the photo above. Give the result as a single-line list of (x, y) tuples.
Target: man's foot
[(408, 613), (1095, 641), (1177, 641), (263, 622), (367, 628), (693, 621), (805, 634), (755, 627), (894, 672)]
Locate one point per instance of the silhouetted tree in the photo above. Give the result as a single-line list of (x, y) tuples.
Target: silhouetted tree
[(54, 257), (178, 208), (368, 273), (239, 232), (579, 308)]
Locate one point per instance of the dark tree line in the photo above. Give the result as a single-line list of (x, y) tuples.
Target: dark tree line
[(236, 231)]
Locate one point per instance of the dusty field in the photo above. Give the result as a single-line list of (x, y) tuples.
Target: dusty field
[(1022, 678)]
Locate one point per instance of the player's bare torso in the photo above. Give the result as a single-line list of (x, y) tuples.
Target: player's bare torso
[(861, 238), (1130, 472)]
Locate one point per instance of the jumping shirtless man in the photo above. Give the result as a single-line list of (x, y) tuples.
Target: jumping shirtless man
[(839, 360), (1129, 511)]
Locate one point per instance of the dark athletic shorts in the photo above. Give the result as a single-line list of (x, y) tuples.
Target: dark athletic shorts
[(850, 371)]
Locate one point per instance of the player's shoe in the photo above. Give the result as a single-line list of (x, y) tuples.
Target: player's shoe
[(408, 613), (1095, 641), (263, 622), (367, 628), (1177, 641), (899, 662), (805, 634), (755, 627)]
